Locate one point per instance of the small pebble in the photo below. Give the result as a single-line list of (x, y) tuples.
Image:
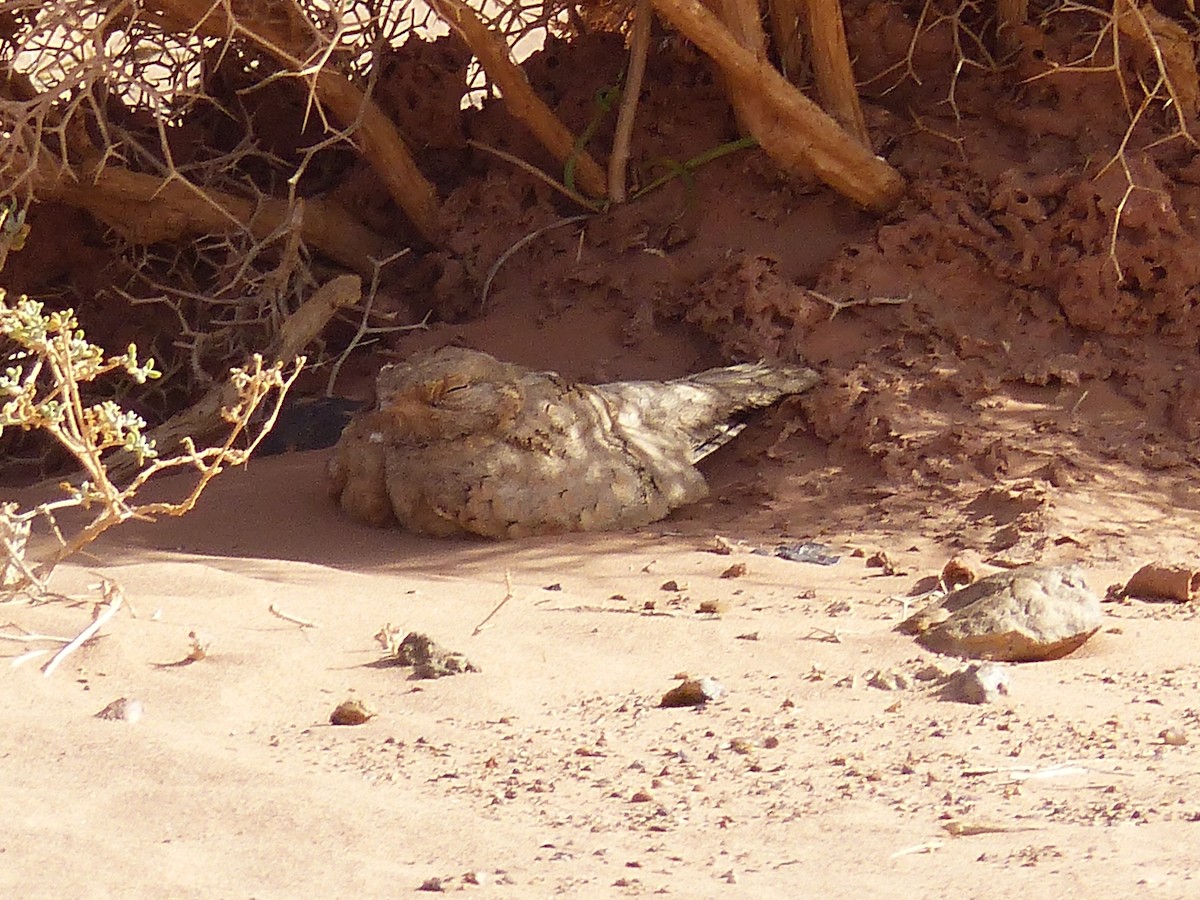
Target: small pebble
[(978, 683), (122, 709), (351, 712), (1174, 737), (693, 692)]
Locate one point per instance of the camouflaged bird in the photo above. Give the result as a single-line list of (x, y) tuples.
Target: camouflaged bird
[(460, 442)]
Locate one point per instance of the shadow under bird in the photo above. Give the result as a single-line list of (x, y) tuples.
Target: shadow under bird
[(460, 442)]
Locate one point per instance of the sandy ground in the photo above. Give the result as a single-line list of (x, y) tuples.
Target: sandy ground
[(552, 771)]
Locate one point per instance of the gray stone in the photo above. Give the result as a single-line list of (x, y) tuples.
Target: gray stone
[(978, 683), (1031, 613)]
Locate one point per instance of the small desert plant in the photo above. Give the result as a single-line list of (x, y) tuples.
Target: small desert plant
[(46, 368)]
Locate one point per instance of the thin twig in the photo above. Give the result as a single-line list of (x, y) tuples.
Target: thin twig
[(839, 305), (27, 656), (29, 637), (364, 329), (529, 238), (639, 49), (508, 595), (102, 613), (303, 623), (536, 173), (824, 635)]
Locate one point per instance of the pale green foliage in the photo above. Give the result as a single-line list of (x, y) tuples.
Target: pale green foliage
[(40, 383), (13, 230), (49, 363)]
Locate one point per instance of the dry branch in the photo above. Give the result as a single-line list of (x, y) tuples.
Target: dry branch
[(789, 43), (796, 134), (742, 19), (508, 595), (639, 49), (146, 209), (299, 330), (280, 614), (519, 97), (100, 615), (289, 42), (831, 66), (1170, 46)]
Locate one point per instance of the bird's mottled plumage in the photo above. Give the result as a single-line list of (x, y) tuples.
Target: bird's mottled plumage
[(460, 442)]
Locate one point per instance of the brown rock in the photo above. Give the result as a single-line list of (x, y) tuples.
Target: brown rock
[(352, 712), (964, 568), (693, 692), (430, 659), (1158, 581), (123, 709), (1033, 613), (462, 442)]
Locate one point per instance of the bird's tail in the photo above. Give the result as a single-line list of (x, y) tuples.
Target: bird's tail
[(710, 407)]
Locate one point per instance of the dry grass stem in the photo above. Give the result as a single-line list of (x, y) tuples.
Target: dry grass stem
[(101, 613), (279, 614), (527, 239), (29, 637), (508, 595), (536, 173), (786, 17)]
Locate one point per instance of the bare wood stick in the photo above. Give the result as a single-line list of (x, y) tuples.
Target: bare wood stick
[(285, 32), (508, 595), (831, 66), (639, 50), (839, 305), (742, 19), (383, 147), (147, 210), (519, 97), (798, 136), (102, 613), (1174, 55), (789, 41), (303, 623), (306, 323), (29, 637), (25, 657), (299, 330)]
